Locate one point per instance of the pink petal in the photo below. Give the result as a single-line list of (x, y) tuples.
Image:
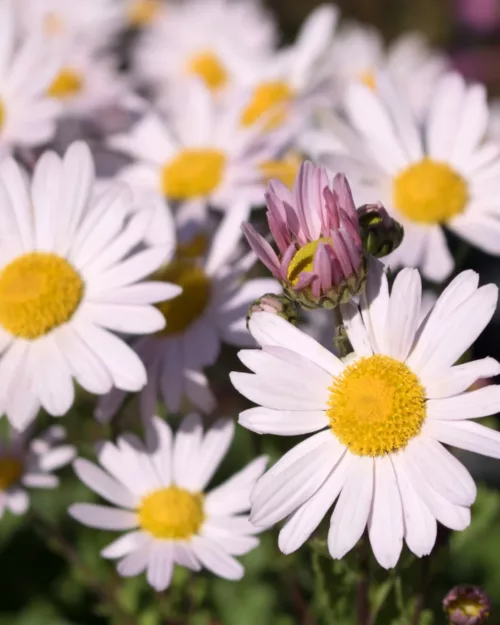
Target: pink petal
[(341, 254), (322, 267), (279, 232), (280, 191), (331, 217), (262, 248), (343, 191), (286, 259), (304, 195), (304, 280)]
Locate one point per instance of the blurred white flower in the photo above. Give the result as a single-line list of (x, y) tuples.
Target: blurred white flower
[(198, 154), (359, 54), (210, 310), (28, 65), (442, 173), (28, 462), (87, 81), (294, 82), (91, 22), (71, 270), (213, 40), (385, 410), (158, 489), (143, 13)]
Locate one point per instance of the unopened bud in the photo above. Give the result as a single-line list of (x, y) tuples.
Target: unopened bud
[(276, 304), (380, 233), (467, 605)]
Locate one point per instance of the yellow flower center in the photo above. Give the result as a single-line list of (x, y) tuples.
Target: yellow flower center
[(38, 292), (369, 79), (172, 513), (271, 99), (304, 259), (11, 470), (207, 66), (285, 170), (193, 173), (143, 12), (430, 192), (376, 406), (468, 607), (66, 84), (190, 305), (53, 24), (196, 247)]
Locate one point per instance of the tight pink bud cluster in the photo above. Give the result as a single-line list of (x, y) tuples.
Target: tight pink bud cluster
[(320, 259)]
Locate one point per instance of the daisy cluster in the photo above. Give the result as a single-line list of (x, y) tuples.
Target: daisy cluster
[(174, 180)]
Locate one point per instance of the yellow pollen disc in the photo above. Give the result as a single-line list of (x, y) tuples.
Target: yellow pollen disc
[(376, 406), (430, 192), (38, 292), (193, 173), (285, 170), (190, 305), (466, 606), (269, 98), (368, 79), (208, 67), (196, 247), (303, 260), (172, 513), (143, 12), (66, 84), (11, 470)]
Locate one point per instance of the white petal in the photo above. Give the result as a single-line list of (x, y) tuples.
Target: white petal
[(186, 452), (125, 319), (136, 562), (357, 332), (17, 501), (161, 565), (226, 238), (126, 544), (215, 559), (184, 556), (283, 422), (306, 519), (437, 263), (103, 517), (269, 329), (443, 472), (351, 512), (385, 524), (296, 484), (466, 435), (104, 485), (419, 524), (57, 457), (459, 378), (404, 313), (159, 444), (52, 376), (40, 480), (213, 449), (233, 495), (470, 405), (375, 305)]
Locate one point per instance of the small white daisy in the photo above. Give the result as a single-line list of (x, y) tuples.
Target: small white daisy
[(213, 40), (29, 462), (27, 67), (199, 154), (87, 81), (359, 53), (384, 412), (211, 309), (159, 491), (92, 22), (439, 174), (70, 271), (294, 82)]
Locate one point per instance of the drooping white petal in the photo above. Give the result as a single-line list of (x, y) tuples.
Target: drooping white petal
[(103, 517)]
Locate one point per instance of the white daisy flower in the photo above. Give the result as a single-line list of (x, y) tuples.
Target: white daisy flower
[(359, 53), (159, 493), (210, 310), (438, 174), (28, 462), (294, 82), (384, 411), (213, 40), (200, 154), (93, 22), (27, 68), (70, 271), (87, 81)]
